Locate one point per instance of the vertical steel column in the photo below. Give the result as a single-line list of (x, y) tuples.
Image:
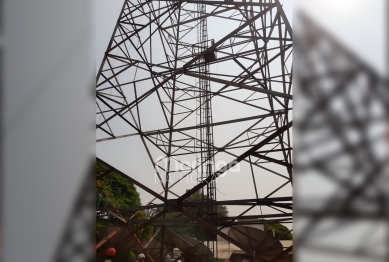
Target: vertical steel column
[(204, 117)]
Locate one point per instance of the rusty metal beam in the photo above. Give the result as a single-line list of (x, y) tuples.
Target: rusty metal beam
[(270, 159), (105, 239), (241, 85)]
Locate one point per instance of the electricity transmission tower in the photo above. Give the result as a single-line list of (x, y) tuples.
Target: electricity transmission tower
[(202, 82)]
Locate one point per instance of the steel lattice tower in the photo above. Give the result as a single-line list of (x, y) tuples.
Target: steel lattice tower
[(204, 115), (203, 82)]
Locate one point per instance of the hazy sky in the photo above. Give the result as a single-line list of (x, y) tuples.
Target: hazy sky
[(360, 25)]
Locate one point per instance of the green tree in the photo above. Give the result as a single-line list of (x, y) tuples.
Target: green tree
[(280, 231), (122, 193), (198, 197), (223, 211)]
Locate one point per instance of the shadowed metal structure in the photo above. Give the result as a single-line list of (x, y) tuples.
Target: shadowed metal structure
[(341, 125), (201, 82)]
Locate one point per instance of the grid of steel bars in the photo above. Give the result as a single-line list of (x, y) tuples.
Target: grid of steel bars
[(154, 63)]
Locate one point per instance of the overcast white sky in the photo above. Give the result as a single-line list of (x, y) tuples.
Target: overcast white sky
[(359, 24)]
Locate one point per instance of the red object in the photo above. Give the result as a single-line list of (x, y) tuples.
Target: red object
[(111, 252)]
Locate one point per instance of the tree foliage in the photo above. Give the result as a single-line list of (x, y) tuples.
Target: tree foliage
[(122, 193), (280, 231), (198, 197)]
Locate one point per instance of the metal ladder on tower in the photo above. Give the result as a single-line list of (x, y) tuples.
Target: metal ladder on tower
[(204, 120)]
